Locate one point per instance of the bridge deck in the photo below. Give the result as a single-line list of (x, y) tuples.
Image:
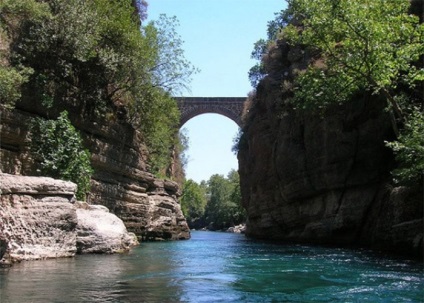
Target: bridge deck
[(211, 99), (231, 107)]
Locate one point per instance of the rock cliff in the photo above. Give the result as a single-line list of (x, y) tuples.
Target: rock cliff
[(39, 219), (322, 179), (149, 207)]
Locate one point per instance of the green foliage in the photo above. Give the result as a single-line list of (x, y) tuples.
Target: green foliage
[(322, 84), (215, 204), (257, 72), (97, 59), (12, 14), (160, 129), (224, 202), (368, 45), (193, 202), (83, 53), (11, 80), (172, 71), (57, 146), (409, 150), (261, 47)]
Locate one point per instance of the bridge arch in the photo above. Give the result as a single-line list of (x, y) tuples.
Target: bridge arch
[(230, 107)]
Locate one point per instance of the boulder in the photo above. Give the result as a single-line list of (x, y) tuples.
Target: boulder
[(238, 229), (37, 218), (99, 231)]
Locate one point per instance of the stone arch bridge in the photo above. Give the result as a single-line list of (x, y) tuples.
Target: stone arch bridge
[(230, 107)]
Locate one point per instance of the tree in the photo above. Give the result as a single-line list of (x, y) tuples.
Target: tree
[(365, 45), (215, 204), (57, 147), (262, 46), (12, 15), (141, 8), (172, 72), (224, 202), (238, 213), (193, 202)]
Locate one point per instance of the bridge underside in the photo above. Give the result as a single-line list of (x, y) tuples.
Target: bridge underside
[(230, 107)]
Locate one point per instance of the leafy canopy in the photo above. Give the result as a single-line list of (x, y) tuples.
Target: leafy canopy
[(262, 46), (193, 202), (215, 204), (12, 15), (371, 46), (366, 45), (224, 201)]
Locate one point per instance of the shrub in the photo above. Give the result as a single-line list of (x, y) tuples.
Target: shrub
[(57, 147)]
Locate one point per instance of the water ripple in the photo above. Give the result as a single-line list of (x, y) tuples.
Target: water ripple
[(216, 267)]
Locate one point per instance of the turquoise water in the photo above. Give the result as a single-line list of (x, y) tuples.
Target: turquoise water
[(216, 267)]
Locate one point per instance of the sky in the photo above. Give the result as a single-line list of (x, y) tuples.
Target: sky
[(218, 39)]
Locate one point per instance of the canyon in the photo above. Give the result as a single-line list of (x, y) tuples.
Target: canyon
[(323, 178)]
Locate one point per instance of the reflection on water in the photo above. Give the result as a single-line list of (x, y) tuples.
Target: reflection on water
[(216, 267)]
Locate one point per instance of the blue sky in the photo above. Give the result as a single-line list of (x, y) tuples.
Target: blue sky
[(218, 39)]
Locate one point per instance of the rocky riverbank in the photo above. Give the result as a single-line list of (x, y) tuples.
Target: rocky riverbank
[(40, 219), (148, 206)]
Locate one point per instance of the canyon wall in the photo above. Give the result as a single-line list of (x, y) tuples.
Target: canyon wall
[(323, 179), (148, 206)]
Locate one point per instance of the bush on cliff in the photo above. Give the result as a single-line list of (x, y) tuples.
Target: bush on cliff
[(58, 151), (409, 151)]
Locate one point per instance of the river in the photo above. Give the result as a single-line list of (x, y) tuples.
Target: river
[(216, 267)]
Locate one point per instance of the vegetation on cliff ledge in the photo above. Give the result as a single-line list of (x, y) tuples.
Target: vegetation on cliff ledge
[(57, 146), (98, 60), (370, 48)]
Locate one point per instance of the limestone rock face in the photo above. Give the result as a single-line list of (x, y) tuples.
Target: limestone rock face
[(37, 218), (121, 180), (323, 179), (99, 231)]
